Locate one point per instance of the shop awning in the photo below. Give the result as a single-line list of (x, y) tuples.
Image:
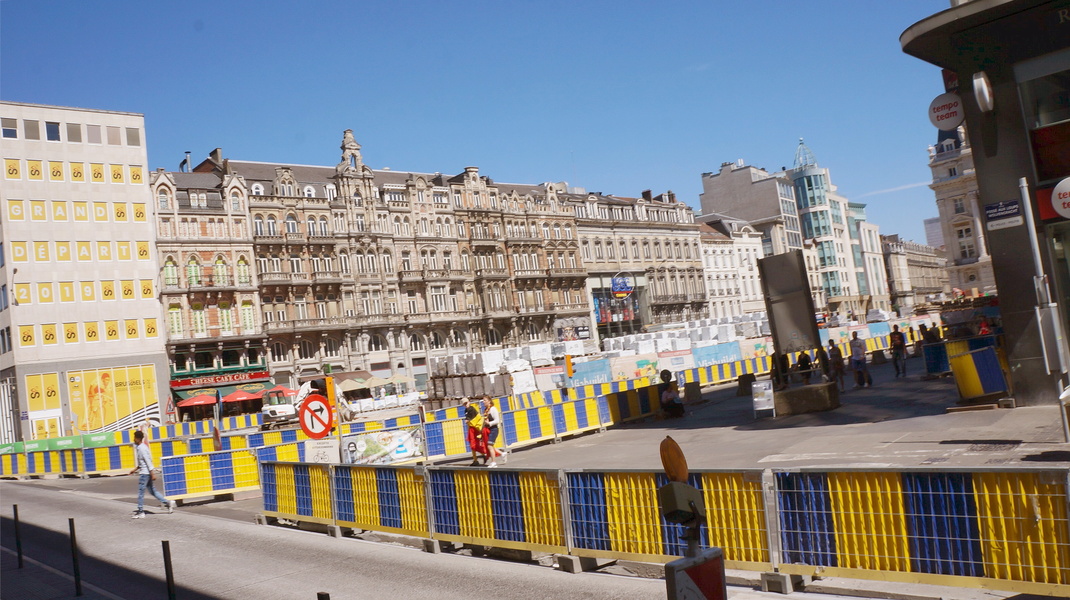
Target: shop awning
[(224, 390), (202, 400), (241, 396)]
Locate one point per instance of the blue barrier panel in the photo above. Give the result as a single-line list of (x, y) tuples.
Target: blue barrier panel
[(806, 524), (942, 524), (507, 506), (558, 414), (222, 469), (935, 359), (303, 488), (435, 438), (587, 509), (389, 498), (174, 477), (269, 487), (444, 502)]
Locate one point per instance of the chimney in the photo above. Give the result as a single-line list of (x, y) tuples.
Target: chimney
[(217, 156), (648, 196)]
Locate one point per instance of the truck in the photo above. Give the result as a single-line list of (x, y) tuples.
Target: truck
[(278, 409)]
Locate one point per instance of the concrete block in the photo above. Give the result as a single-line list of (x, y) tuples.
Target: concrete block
[(433, 546), (777, 582), (810, 398), (334, 531), (260, 519), (576, 564)]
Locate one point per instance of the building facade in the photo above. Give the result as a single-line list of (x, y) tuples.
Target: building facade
[(764, 200), (730, 253), (81, 338), (379, 270), (969, 263), (650, 245), (917, 274), (208, 283)]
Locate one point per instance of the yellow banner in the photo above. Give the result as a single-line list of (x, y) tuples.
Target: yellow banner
[(40, 252), (12, 168), (55, 170), (122, 250), (22, 293), (147, 289), (106, 399), (34, 170), (107, 291), (119, 210), (111, 330), (46, 428), (48, 334), (70, 333), (92, 331), (44, 293), (132, 330), (81, 211), (139, 212), (16, 210), (103, 250), (96, 172), (38, 210), (117, 174), (35, 393), (27, 336), (150, 328), (135, 175), (19, 252), (59, 210), (63, 251), (143, 252), (51, 384), (126, 288), (66, 291), (78, 172), (89, 291)]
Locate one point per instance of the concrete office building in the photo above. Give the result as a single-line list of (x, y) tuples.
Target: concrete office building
[(81, 338), (764, 200), (1009, 61)]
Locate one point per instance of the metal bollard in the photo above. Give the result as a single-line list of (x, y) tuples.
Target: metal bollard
[(167, 569), (18, 535), (74, 557)]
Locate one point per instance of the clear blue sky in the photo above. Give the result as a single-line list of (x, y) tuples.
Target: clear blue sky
[(612, 96)]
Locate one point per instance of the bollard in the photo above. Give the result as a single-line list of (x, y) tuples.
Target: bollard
[(167, 570), (74, 557), (18, 536)]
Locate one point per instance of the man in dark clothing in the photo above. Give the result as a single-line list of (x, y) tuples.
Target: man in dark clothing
[(899, 351)]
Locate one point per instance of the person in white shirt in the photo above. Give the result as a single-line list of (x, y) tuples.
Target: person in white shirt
[(491, 420), (144, 468), (858, 362)]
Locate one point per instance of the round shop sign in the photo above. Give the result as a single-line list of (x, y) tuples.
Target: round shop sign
[(621, 285), (1060, 198), (945, 112)]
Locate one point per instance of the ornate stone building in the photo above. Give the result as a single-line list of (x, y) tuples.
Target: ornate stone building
[(917, 274), (208, 283), (379, 270)]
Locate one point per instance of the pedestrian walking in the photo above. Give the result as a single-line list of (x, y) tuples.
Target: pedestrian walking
[(146, 477), (899, 351), (474, 421), (491, 421), (836, 367), (858, 362)]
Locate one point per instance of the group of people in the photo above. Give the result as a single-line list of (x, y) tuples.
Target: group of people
[(483, 422)]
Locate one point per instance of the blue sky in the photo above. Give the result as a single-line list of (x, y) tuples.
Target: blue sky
[(616, 97)]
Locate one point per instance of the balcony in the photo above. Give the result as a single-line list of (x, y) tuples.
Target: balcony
[(369, 277), (327, 277), (570, 308), (492, 274), (669, 299), (482, 242), (274, 278), (410, 275), (529, 273), (378, 319), (321, 238), (295, 238), (523, 239), (436, 274), (566, 272), (309, 324), (268, 238)]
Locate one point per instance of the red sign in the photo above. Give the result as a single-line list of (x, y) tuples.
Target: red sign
[(212, 380), (316, 417)]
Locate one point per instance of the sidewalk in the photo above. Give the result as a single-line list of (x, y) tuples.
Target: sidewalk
[(35, 581)]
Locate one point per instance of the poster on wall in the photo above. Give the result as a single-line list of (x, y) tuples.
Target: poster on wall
[(43, 405), (383, 447), (634, 367), (112, 399)]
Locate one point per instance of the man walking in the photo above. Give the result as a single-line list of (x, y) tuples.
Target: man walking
[(899, 351), (858, 362), (144, 469)]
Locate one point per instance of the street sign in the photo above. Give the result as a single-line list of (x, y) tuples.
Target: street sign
[(1003, 214), (699, 577), (316, 416)]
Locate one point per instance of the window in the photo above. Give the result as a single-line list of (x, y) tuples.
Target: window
[(52, 131), (235, 201), (376, 343), (964, 235), (278, 352), (200, 320), (133, 136), (436, 342), (295, 264), (164, 199), (311, 226), (31, 130), (170, 272), (114, 136), (952, 172), (10, 127), (219, 272), (493, 337), (174, 321), (960, 205), (226, 317), (258, 225), (248, 318), (291, 224), (309, 192), (258, 190), (272, 225), (416, 342), (307, 350), (92, 134), (193, 272), (330, 348)]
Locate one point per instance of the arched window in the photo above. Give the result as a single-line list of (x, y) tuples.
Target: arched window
[(220, 276), (436, 342), (360, 261), (557, 231), (466, 263), (258, 190), (308, 351), (457, 338), (164, 199), (170, 272), (397, 225), (416, 342), (343, 260), (324, 230), (376, 343), (373, 262), (546, 231), (493, 337), (272, 225), (278, 352), (235, 201), (244, 277), (291, 224), (357, 199), (311, 228), (388, 262), (193, 271), (309, 192)]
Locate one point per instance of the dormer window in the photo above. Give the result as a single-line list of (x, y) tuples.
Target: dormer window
[(258, 190), (309, 192), (164, 199)]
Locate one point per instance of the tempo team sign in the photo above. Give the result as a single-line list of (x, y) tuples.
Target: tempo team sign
[(945, 112)]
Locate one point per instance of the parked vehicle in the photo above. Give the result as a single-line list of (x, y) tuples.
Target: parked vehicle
[(278, 409)]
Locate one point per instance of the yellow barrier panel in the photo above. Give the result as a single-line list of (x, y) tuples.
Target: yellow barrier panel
[(542, 509), (1023, 526), (735, 517), (413, 502), (286, 490), (870, 520), (632, 514), (475, 514)]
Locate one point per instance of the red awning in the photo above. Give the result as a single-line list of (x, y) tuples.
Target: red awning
[(241, 395), (202, 400), (281, 388)]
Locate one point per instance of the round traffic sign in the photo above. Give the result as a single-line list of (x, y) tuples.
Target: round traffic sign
[(316, 416)]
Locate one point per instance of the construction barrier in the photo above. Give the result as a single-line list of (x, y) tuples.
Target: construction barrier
[(985, 528), (979, 374)]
